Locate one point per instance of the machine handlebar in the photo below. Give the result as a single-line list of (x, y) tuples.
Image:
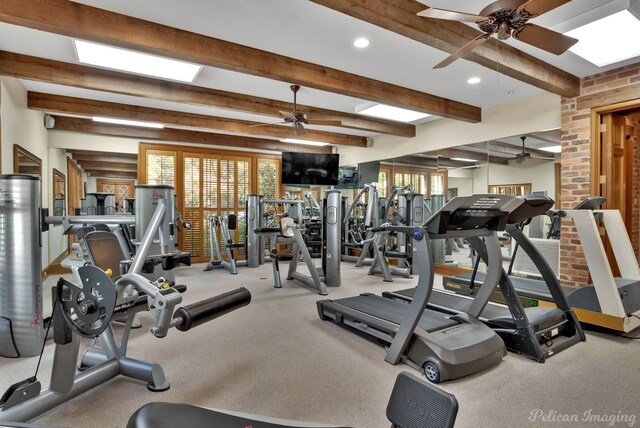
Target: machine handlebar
[(209, 309)]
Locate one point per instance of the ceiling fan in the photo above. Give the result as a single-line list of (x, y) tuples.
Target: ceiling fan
[(524, 155), (507, 18), (297, 119)]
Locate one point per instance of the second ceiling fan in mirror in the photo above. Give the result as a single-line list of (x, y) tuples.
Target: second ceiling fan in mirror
[(507, 18)]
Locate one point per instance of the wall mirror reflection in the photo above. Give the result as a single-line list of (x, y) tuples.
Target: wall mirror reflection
[(59, 192), (25, 162)]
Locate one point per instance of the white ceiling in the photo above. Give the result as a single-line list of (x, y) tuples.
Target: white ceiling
[(307, 31)]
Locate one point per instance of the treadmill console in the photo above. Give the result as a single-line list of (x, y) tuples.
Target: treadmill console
[(591, 203), (533, 205), (485, 211)]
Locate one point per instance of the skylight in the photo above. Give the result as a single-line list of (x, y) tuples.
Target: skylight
[(128, 122), (135, 62), (383, 111), (308, 143), (608, 40), (552, 149), (464, 160)]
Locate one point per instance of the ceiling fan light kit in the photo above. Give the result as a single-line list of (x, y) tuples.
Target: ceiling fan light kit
[(506, 19)]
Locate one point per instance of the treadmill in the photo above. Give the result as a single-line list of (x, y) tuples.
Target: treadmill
[(443, 346), (533, 332), (530, 290)]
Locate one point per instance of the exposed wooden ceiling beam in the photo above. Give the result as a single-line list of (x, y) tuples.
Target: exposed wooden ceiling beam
[(551, 136), (108, 166), (510, 149), (400, 17), (430, 162), (115, 157), (128, 157), (98, 25), (87, 126), (459, 152), (85, 107), (105, 174), (80, 76)]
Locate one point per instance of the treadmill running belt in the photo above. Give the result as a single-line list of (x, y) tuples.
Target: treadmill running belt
[(459, 303), (394, 312), (525, 287)]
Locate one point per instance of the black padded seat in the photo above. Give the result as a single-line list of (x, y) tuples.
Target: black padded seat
[(171, 415), (352, 245), (105, 250), (235, 246), (265, 230), (281, 257), (396, 255), (171, 261)]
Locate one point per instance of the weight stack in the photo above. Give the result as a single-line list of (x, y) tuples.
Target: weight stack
[(21, 319)]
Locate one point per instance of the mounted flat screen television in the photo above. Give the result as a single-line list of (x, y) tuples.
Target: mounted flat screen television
[(310, 168), (347, 177), (368, 172)]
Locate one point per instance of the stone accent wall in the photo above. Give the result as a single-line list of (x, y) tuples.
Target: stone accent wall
[(576, 163)]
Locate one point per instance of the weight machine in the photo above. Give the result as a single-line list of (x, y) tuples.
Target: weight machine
[(225, 224), (86, 306)]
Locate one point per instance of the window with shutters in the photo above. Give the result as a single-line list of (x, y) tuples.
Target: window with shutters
[(213, 185), (161, 167), (209, 182), (268, 178)]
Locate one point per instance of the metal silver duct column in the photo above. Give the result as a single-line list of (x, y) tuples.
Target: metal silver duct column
[(438, 245), (254, 243), (332, 242), (21, 318), (146, 202)]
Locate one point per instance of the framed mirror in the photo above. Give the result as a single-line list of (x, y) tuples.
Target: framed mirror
[(25, 162), (59, 192)]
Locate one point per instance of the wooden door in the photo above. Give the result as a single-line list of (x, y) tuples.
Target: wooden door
[(75, 190), (122, 189), (616, 169)]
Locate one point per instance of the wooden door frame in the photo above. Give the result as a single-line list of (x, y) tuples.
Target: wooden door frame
[(596, 116)]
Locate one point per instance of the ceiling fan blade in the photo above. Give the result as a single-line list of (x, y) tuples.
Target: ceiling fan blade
[(288, 115), (544, 39), (538, 7), (463, 50), (542, 158), (324, 122), (299, 129), (264, 124), (451, 15)]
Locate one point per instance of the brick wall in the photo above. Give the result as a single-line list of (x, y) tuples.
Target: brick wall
[(576, 163)]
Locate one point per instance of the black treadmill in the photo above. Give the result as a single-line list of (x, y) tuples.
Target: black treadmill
[(535, 332), (444, 346), (530, 290)]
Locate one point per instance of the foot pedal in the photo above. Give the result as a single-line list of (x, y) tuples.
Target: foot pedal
[(20, 392), (415, 403)]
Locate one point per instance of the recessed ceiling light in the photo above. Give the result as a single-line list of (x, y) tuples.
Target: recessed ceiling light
[(135, 62), (308, 143), (464, 160), (392, 113), (128, 122), (552, 149), (608, 40), (474, 80), (361, 42)]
